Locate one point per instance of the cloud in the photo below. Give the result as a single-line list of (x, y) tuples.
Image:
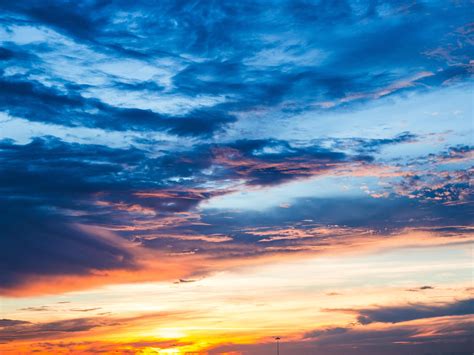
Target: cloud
[(12, 322), (116, 205), (47, 244), (92, 347), (327, 331), (269, 162), (246, 56), (36, 309), (415, 311), (410, 312), (368, 146), (35, 334), (442, 337), (40, 235), (50, 105), (436, 180), (85, 309), (27, 330), (422, 288), (58, 171), (182, 281)]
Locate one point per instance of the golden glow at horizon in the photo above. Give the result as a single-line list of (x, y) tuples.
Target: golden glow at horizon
[(251, 304)]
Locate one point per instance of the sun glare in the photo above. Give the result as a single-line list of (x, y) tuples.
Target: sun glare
[(170, 333)]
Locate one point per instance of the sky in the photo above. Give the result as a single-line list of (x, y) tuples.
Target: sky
[(201, 177)]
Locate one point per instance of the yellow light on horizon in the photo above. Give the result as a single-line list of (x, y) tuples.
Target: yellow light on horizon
[(169, 351), (170, 333)]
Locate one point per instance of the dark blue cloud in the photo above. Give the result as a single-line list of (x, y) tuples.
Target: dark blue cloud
[(38, 243), (6, 54), (49, 185), (50, 105), (289, 56), (51, 172), (415, 311)]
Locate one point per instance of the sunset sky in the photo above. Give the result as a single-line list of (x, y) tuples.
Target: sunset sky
[(200, 177)]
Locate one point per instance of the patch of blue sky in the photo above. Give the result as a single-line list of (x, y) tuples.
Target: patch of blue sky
[(283, 195), (440, 118), (23, 131)]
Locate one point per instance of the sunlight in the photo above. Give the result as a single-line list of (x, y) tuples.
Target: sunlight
[(170, 333)]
